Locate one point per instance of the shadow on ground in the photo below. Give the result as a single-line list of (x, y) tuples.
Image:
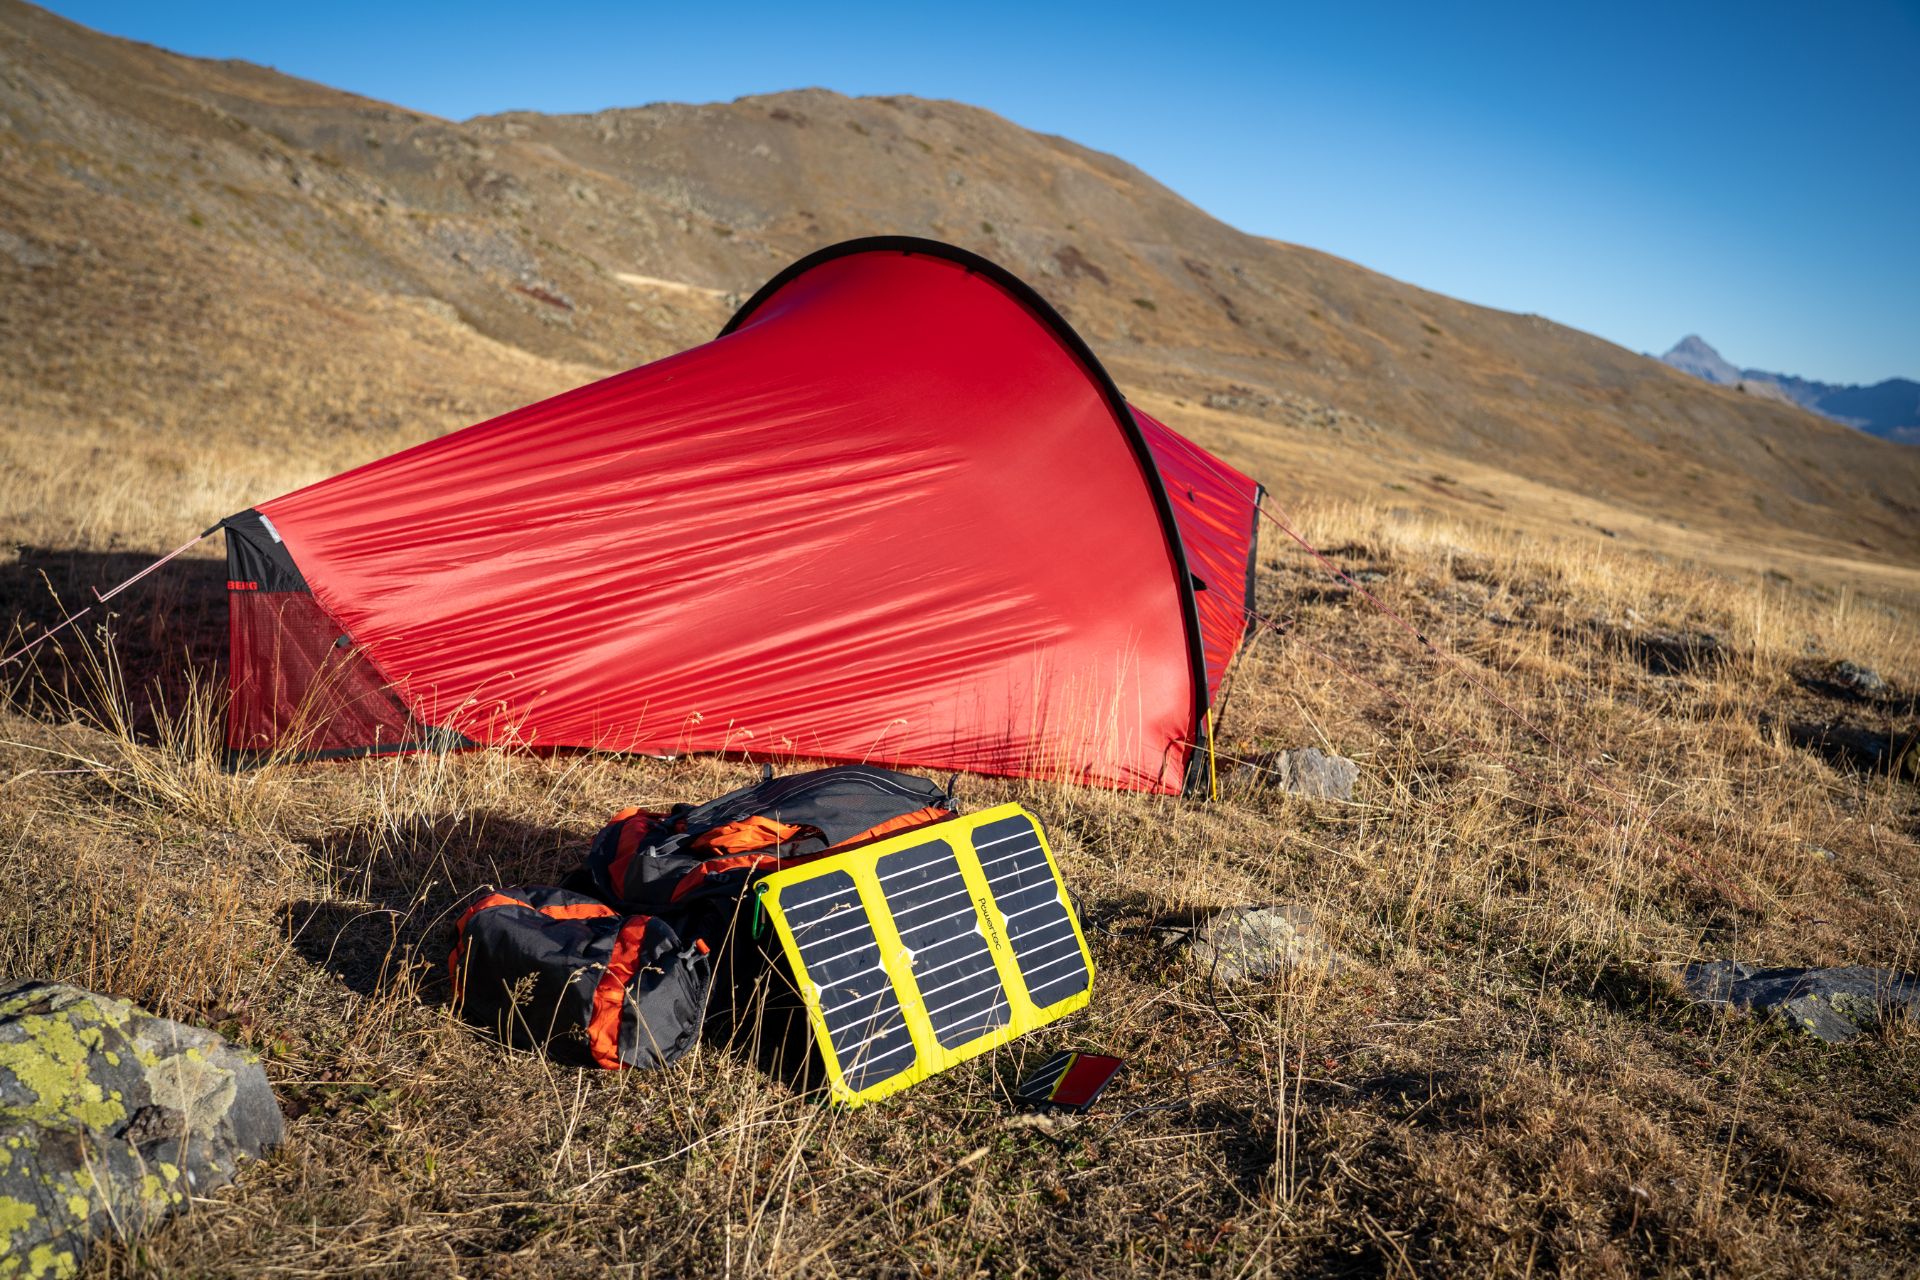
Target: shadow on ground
[(401, 889), (164, 636)]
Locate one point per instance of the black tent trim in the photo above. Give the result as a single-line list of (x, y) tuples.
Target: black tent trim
[(1253, 560)]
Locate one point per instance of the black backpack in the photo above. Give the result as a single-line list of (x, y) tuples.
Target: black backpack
[(617, 965)]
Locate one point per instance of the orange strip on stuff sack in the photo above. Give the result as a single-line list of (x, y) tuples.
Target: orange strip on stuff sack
[(610, 997), (460, 934)]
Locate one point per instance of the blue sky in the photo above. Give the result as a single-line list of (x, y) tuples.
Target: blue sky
[(1748, 172)]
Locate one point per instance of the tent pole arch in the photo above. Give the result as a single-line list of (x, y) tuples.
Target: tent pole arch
[(1199, 760)]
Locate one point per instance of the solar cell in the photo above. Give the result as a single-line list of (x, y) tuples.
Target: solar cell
[(1040, 926), (953, 967), (849, 984)]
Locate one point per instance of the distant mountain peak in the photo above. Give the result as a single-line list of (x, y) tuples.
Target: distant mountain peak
[(1889, 409), (1694, 355)]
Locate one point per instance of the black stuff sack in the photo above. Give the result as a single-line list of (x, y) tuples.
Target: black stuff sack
[(549, 968)]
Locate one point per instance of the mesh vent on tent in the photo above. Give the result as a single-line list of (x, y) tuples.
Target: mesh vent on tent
[(299, 685)]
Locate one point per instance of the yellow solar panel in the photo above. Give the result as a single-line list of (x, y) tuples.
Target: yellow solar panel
[(929, 948)]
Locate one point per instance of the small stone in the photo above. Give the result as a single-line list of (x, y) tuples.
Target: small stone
[(1834, 1004), (1241, 943), (1845, 680), (111, 1118), (1303, 771)]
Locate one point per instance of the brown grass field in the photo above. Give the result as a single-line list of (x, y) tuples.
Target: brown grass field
[(1504, 1079)]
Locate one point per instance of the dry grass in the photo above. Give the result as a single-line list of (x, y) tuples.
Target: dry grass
[(1503, 1080)]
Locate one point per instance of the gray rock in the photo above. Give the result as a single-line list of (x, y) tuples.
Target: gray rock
[(1862, 680), (1814, 1015), (1236, 944), (1833, 1004), (110, 1119), (1845, 680), (1304, 771)]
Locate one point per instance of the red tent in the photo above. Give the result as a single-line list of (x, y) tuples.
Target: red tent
[(895, 512)]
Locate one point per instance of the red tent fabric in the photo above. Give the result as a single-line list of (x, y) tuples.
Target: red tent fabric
[(896, 512)]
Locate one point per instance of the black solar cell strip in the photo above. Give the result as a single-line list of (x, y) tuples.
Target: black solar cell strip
[(933, 910), (1038, 926), (838, 950)]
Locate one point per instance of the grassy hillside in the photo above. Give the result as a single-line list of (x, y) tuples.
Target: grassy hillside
[(218, 244), (220, 283)]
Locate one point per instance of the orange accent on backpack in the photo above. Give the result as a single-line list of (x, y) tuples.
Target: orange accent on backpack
[(756, 832), (639, 824), (716, 866)]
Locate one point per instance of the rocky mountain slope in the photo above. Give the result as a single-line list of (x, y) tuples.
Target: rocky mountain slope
[(216, 249), (1889, 408)]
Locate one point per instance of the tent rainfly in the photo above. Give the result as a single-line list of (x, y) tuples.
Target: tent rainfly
[(896, 512)]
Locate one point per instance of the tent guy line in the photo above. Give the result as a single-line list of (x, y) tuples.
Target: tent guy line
[(102, 597)]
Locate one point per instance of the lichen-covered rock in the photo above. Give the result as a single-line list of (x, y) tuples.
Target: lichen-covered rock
[(1864, 681), (1834, 1004), (1237, 944), (110, 1118)]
